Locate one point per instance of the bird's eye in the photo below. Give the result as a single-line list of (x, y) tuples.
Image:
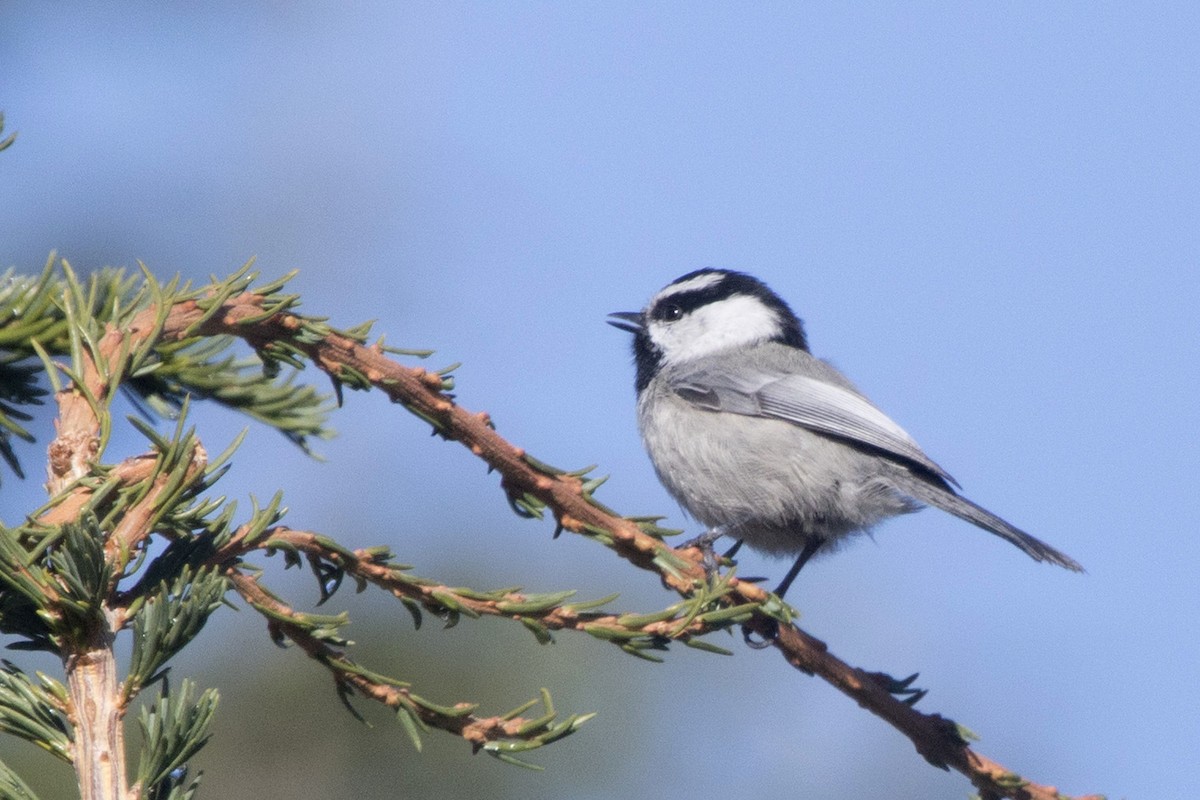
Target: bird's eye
[(670, 312)]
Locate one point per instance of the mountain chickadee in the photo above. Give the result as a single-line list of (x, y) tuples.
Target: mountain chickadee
[(760, 440)]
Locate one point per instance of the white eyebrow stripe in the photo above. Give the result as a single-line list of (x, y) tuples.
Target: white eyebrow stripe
[(691, 285)]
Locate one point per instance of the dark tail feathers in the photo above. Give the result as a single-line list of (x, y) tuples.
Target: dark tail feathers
[(961, 507)]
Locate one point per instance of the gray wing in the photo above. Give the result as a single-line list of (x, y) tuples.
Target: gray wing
[(806, 401)]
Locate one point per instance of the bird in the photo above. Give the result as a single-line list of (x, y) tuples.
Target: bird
[(760, 440)]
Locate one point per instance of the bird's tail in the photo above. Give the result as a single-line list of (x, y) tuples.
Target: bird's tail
[(963, 508)]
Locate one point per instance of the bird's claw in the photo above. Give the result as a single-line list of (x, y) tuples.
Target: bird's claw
[(704, 543), (900, 688), (769, 635)]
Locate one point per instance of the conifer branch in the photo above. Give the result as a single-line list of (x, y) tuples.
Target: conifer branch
[(62, 572), (138, 520), (68, 507), (88, 658), (531, 485), (95, 713), (685, 622), (500, 736)]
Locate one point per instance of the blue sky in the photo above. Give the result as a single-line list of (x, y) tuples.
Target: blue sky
[(986, 215)]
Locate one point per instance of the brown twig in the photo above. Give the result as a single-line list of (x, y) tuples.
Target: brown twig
[(129, 472), (932, 735), (98, 744), (339, 355), (361, 564), (94, 708), (137, 523), (479, 731)]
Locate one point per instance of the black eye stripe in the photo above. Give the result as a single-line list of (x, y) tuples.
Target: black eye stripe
[(675, 306), (670, 309), (730, 285)]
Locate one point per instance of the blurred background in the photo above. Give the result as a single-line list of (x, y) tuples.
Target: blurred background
[(985, 213)]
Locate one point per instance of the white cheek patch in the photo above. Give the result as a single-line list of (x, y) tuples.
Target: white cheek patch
[(733, 322)]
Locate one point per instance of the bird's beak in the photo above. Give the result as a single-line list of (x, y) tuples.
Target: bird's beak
[(630, 321)]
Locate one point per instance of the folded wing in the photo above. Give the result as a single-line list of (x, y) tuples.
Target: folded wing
[(806, 401)]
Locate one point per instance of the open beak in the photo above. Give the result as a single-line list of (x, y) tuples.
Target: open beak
[(630, 321)]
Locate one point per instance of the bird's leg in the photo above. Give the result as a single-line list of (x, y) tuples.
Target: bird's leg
[(811, 546), (731, 552)]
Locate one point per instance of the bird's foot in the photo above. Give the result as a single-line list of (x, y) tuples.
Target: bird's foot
[(704, 543), (768, 636), (706, 540)]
